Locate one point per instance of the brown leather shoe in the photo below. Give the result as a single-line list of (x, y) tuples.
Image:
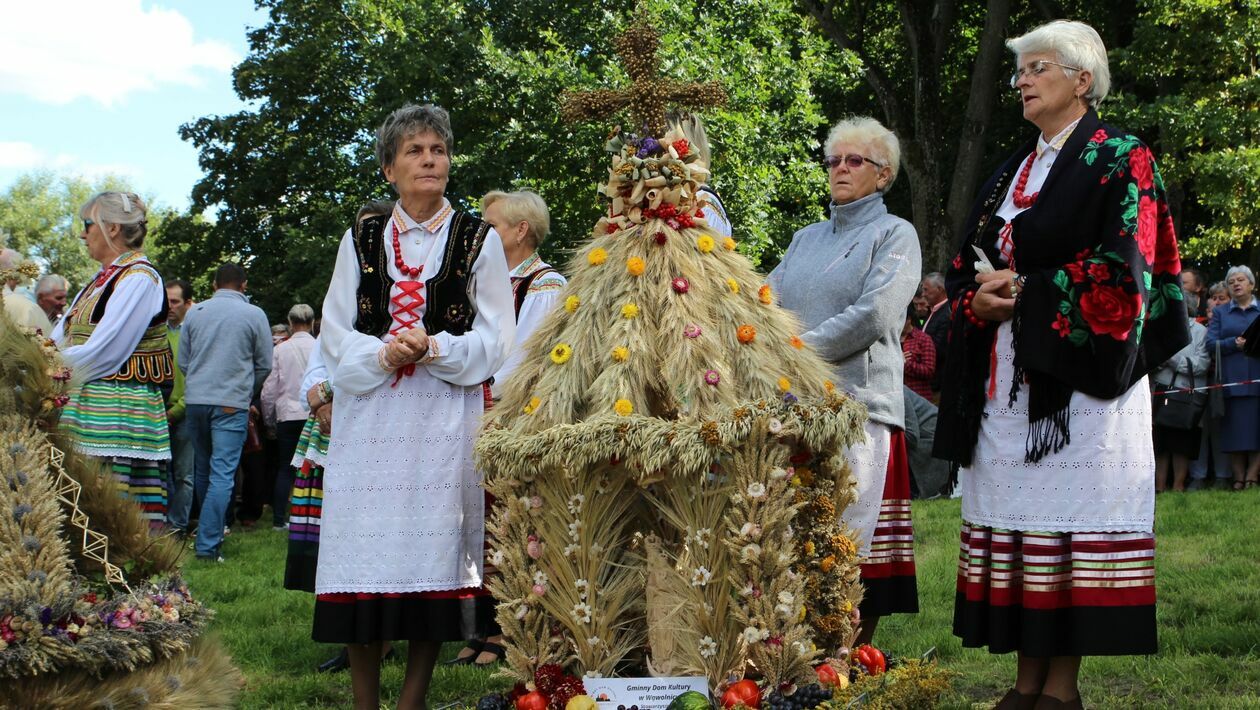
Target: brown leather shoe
[(1049, 702), (1015, 700)]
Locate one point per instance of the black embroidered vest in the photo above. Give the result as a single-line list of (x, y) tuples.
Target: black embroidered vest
[(447, 307)]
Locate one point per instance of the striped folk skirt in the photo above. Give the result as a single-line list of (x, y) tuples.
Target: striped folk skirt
[(306, 502), (142, 481), (1056, 594), (889, 574)]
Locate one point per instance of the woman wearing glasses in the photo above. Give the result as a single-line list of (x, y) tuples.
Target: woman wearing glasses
[(849, 280), (114, 338), (1044, 396)]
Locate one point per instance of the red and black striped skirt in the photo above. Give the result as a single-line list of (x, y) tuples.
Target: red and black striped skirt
[(888, 574), (1056, 594)]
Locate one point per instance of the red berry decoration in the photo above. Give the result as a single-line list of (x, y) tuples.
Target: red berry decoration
[(548, 677), (681, 285), (660, 238), (744, 692)]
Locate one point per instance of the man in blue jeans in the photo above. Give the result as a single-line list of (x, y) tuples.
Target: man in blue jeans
[(225, 354), (180, 486)]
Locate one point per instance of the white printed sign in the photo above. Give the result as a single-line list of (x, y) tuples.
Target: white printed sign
[(647, 693)]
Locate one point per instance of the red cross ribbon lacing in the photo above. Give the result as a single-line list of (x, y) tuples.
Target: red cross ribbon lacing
[(1006, 245), (406, 302)]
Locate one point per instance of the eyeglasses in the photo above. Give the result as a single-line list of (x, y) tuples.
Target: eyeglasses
[(1038, 68), (853, 160), (87, 224)]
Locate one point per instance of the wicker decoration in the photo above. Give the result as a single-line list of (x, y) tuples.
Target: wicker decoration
[(648, 94), (641, 454)]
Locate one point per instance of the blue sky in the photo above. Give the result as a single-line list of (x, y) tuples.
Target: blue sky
[(101, 86)]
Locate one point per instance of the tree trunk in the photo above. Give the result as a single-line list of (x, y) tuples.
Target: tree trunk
[(975, 122)]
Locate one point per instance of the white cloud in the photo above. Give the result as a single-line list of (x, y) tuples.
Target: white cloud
[(20, 157), (57, 51)]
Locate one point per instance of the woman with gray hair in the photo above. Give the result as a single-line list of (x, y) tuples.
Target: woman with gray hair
[(849, 280), (114, 338), (1066, 293), (1240, 427), (284, 406), (418, 315)]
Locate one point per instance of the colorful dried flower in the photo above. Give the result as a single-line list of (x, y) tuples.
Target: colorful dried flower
[(728, 244), (581, 613), (711, 377), (775, 426), (691, 330), (681, 147), (809, 547), (752, 634), (620, 353), (733, 285), (784, 384), (829, 385), (539, 589), (796, 342), (765, 294), (756, 490), (561, 353), (704, 243), (582, 586), (532, 406), (635, 266), (681, 285), (746, 334), (571, 303), (623, 407), (702, 537), (533, 548), (629, 310), (575, 503), (597, 256), (827, 563), (749, 553), (660, 238)]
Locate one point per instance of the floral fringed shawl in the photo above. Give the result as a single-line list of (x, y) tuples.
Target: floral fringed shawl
[(1102, 304)]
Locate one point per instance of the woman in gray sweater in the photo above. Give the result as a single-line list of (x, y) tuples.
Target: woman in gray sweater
[(849, 280)]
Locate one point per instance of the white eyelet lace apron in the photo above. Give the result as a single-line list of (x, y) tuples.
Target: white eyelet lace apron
[(1101, 482)]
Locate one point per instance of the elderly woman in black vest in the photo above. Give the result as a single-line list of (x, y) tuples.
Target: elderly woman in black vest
[(418, 315), (1044, 398)]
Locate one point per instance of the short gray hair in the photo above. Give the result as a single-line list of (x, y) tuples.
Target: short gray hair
[(1241, 269), (1074, 43), (124, 209), (301, 314), (1218, 287), (407, 121), (936, 279), (866, 131), (49, 283), (522, 206)]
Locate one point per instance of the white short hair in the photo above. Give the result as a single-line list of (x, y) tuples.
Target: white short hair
[(1074, 43), (866, 131), (50, 283), (1244, 270)]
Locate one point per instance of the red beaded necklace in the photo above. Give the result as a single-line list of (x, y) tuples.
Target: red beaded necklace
[(1021, 200), (412, 271)]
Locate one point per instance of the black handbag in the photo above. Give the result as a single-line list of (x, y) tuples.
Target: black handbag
[(1251, 348), (1180, 410)]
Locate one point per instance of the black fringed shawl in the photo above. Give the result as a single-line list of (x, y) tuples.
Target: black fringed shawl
[(1102, 304)]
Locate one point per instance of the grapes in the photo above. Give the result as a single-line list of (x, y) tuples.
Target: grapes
[(494, 701), (806, 697)]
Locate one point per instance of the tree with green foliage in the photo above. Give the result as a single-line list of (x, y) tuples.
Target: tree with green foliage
[(288, 175)]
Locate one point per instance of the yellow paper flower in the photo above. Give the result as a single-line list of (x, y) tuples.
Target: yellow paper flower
[(796, 342), (847, 607), (532, 406), (623, 407), (809, 547), (728, 244), (597, 256), (785, 384), (561, 353), (704, 243), (800, 618), (765, 295), (733, 285), (629, 311), (620, 353), (827, 563), (829, 385), (635, 266), (571, 303)]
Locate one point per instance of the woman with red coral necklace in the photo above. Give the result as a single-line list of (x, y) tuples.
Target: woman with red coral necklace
[(1044, 402), (418, 315)]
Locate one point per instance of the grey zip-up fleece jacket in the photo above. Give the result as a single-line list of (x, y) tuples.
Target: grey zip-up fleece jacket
[(849, 281)]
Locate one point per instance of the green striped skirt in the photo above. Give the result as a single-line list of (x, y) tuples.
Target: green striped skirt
[(118, 419)]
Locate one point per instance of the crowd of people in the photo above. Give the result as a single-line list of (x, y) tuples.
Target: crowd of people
[(1025, 363)]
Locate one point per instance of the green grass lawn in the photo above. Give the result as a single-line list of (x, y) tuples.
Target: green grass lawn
[(1208, 578)]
